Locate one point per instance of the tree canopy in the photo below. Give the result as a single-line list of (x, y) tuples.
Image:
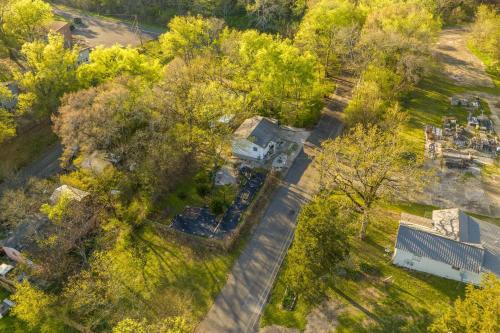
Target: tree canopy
[(368, 165), (321, 242), (107, 63), (50, 73), (330, 30), (485, 35), (476, 312), (22, 21)]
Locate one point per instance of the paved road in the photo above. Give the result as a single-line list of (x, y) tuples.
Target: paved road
[(238, 307), (107, 32), (44, 167)]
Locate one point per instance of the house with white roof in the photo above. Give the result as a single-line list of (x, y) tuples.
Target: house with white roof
[(256, 138), (452, 245)]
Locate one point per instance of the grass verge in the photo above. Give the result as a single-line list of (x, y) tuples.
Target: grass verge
[(492, 69), (368, 304)]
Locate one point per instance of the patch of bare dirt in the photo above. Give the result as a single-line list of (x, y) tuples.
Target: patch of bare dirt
[(459, 63), (466, 189), (324, 318)]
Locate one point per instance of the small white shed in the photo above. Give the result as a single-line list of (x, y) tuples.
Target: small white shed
[(69, 191)]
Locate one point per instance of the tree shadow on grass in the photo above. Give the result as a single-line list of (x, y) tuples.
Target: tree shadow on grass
[(390, 314)]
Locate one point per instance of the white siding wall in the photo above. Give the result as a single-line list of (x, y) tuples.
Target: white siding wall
[(245, 148), (408, 260)]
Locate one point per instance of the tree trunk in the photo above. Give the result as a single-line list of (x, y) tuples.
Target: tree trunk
[(364, 225)]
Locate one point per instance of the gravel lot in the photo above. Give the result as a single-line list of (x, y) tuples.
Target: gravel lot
[(108, 32)]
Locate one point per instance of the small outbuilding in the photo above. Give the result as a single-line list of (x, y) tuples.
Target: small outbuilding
[(63, 28), (256, 138), (84, 55), (5, 268), (5, 307), (68, 191)]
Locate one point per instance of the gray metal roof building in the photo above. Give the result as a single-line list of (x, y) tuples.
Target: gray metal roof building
[(454, 238), (439, 248)]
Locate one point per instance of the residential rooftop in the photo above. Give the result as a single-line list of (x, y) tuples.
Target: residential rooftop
[(259, 130), (452, 237)]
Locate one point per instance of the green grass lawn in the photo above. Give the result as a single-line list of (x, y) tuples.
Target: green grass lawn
[(187, 276), (493, 71), (407, 304), (187, 193), (163, 276)]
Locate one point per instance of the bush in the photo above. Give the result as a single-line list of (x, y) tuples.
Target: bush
[(203, 190), (217, 206)]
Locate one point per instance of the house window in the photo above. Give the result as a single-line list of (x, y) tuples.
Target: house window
[(255, 149)]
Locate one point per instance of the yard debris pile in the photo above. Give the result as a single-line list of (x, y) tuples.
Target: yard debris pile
[(461, 144), (200, 221)]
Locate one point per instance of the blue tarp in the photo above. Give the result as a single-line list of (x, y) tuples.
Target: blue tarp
[(201, 222)]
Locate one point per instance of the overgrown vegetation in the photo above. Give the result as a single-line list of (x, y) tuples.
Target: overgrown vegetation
[(485, 37), (374, 295), (371, 295), (152, 116)]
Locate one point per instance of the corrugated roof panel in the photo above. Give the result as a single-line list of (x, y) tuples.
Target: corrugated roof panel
[(439, 248)]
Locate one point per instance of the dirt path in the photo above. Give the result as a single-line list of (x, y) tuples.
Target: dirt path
[(458, 62), (470, 190)]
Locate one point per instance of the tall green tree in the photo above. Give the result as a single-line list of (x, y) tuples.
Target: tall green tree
[(107, 63), (189, 36), (374, 96), (50, 73), (22, 21), (485, 35), (276, 15), (321, 242), (7, 123), (330, 30), (369, 165), (477, 312), (281, 81), (399, 36), (33, 307)]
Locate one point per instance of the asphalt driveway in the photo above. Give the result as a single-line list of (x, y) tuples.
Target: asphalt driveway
[(239, 305), (43, 167)]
